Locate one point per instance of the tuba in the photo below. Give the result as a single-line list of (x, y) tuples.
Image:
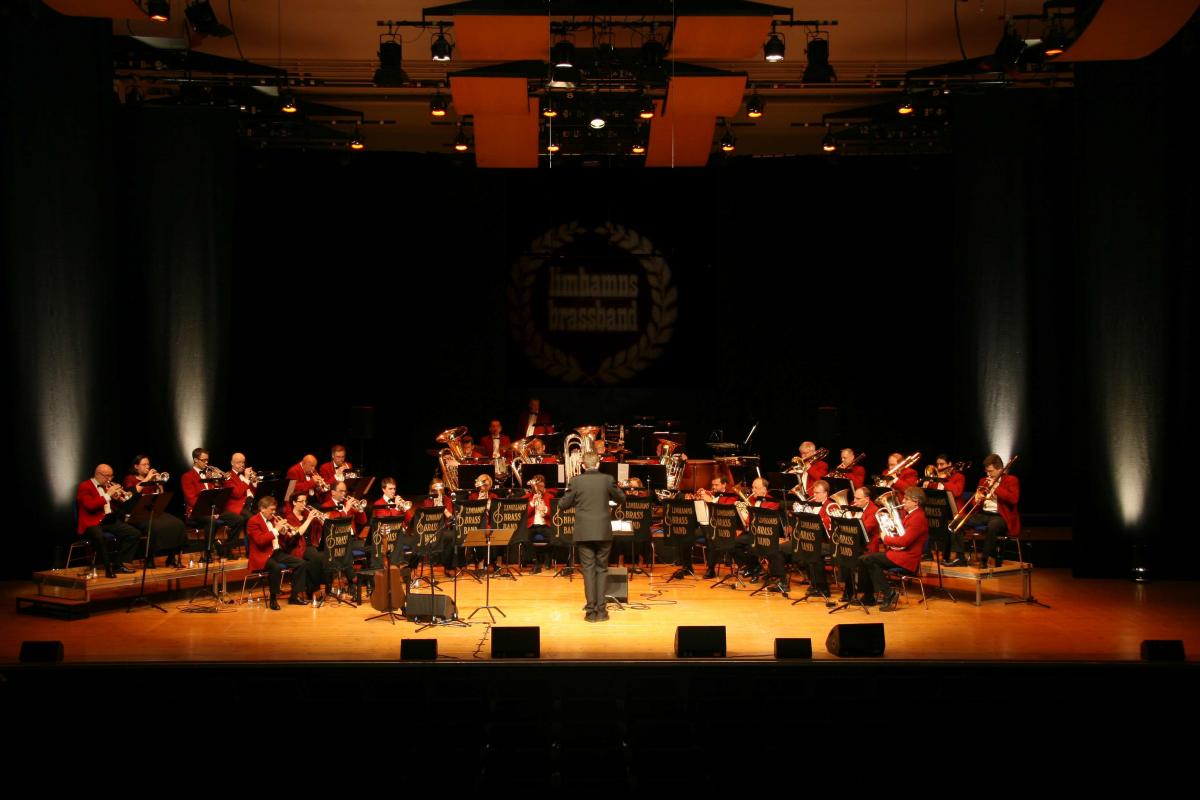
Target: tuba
[(575, 445), (671, 460), (451, 455)]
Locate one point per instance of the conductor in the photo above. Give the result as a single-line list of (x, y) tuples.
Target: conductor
[(589, 494)]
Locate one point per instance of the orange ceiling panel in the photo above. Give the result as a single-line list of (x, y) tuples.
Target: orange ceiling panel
[(507, 141), (1129, 29), (719, 38), (487, 37), (117, 9), (680, 141), (717, 96), (481, 95)]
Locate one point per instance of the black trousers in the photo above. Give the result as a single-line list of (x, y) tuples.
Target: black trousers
[(123, 550), (593, 559), (229, 520), (742, 552), (848, 570), (277, 563), (876, 564), (169, 534), (996, 527)]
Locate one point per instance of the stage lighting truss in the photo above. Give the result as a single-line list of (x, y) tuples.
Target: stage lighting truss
[(575, 128)]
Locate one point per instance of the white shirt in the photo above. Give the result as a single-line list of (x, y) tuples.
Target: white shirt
[(532, 424), (104, 494), (495, 446), (275, 533)]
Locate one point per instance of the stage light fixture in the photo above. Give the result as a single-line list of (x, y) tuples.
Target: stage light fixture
[(356, 141), (461, 143), (597, 122), (203, 19), (905, 106), (728, 143), (1054, 40), (829, 144), (548, 109), (1010, 47), (638, 148), (774, 47), (646, 109), (562, 54), (390, 72), (158, 10), (754, 106), (441, 48), (551, 145), (438, 105), (288, 103), (818, 69)]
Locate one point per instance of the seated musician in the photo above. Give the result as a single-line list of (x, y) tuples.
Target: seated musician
[(639, 550), (862, 499), (533, 421), (901, 482), (999, 515), (437, 498), (241, 483), (758, 498), (200, 477), (946, 478), (308, 479), (336, 467), (717, 493), (537, 453), (470, 448), (857, 474), (304, 540), (170, 535), (815, 472), (483, 491), (899, 551), (495, 444), (392, 507), (263, 532), (600, 447), (98, 506), (537, 521), (817, 579), (339, 507)]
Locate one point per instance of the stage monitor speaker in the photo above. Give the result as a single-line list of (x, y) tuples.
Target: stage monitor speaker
[(423, 606), (793, 648), (362, 422), (700, 641), (856, 640), (617, 584), (1162, 650), (41, 652), (418, 649), (516, 642)]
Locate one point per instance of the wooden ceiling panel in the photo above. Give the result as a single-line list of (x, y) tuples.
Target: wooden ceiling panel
[(501, 38), (716, 96), (507, 141), (719, 38), (478, 95), (680, 141), (1130, 29)]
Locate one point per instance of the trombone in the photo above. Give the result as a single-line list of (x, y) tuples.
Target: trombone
[(981, 496)]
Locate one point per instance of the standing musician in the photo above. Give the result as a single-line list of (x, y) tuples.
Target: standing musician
[(589, 493), (98, 509), (170, 534), (306, 525), (537, 521), (308, 479), (862, 499), (719, 494), (999, 514), (857, 474), (200, 477), (533, 421), (743, 554), (263, 531), (495, 444), (336, 468), (899, 551)]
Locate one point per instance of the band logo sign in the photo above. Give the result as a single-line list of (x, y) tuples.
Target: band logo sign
[(472, 513), (636, 511), (592, 304), (808, 529), (680, 518), (563, 521), (337, 538)]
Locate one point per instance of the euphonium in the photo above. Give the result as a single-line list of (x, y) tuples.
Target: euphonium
[(890, 523)]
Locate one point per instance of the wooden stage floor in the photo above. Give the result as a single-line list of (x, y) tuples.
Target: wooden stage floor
[(1103, 620)]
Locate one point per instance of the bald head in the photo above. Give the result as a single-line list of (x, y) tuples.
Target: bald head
[(103, 473), (309, 463)]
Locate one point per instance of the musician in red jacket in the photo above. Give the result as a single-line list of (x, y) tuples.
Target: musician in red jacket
[(533, 421), (170, 534), (336, 467), (306, 524), (947, 478), (265, 552), (718, 493), (308, 479), (818, 581), (743, 544), (98, 509), (862, 499), (899, 551), (537, 523), (495, 443), (999, 514), (857, 475), (195, 480), (818, 469)]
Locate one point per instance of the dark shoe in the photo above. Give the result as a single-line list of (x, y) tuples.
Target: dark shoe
[(958, 562), (537, 568), (999, 562), (888, 607), (600, 616), (274, 605), (813, 591), (710, 574), (590, 617), (123, 570), (869, 601), (890, 599), (846, 598), (294, 600), (108, 572)]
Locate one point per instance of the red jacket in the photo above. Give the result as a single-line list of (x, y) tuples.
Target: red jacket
[(540, 427), (446, 501), (359, 517), (131, 484), (546, 497), (1008, 495), (329, 472), (817, 471), (89, 503), (905, 551), (484, 445), (297, 549), (304, 485), (906, 479), (380, 509), (241, 491), (262, 542), (192, 486), (871, 526), (955, 485)]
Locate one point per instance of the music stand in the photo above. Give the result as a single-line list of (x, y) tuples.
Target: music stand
[(549, 473), (808, 532), (145, 508), (940, 507), (766, 526), (849, 537), (385, 540), (471, 515), (637, 512), (653, 474), (510, 513), (337, 534), (564, 530), (679, 521), (484, 537), (358, 487), (428, 523), (724, 523), (211, 499)]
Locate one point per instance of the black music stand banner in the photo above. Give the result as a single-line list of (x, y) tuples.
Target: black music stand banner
[(766, 526), (848, 534), (472, 515), (562, 523), (427, 527), (653, 476), (940, 507), (809, 531), (637, 511), (725, 524)]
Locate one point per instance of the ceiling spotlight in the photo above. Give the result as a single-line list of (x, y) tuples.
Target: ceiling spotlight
[(1010, 47), (728, 143), (562, 54), (597, 122), (646, 109), (288, 103), (754, 106), (905, 107), (158, 10), (438, 105), (461, 143), (638, 149), (773, 48), (203, 19), (818, 69), (390, 72), (441, 47), (548, 109), (1054, 40), (552, 146), (829, 144), (356, 141)]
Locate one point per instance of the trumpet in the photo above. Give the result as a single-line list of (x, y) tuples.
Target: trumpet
[(158, 477), (355, 506), (321, 515), (320, 482), (215, 472), (400, 503), (121, 496)]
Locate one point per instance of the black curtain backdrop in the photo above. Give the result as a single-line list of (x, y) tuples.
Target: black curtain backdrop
[(839, 300)]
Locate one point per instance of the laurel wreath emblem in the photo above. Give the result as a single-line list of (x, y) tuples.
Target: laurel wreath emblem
[(664, 300)]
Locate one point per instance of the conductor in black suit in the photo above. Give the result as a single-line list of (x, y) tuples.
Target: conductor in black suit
[(589, 494)]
